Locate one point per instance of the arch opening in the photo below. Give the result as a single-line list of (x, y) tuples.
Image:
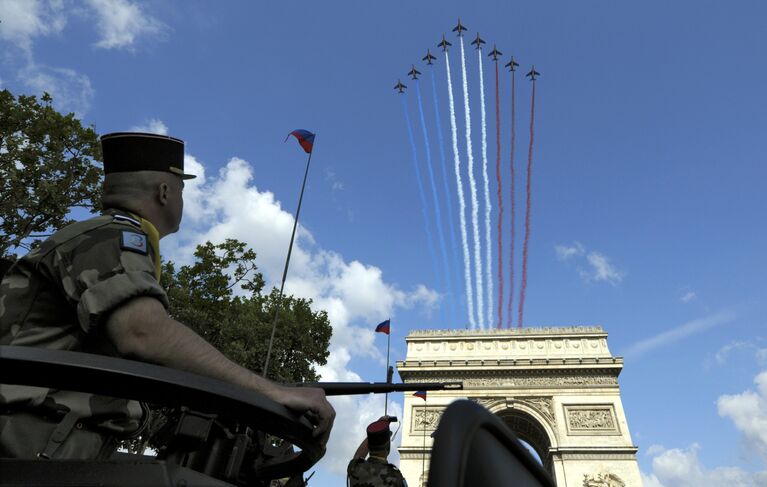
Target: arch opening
[(532, 434)]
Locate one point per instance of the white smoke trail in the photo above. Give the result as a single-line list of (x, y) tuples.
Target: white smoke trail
[(473, 188), (461, 200), (488, 245)]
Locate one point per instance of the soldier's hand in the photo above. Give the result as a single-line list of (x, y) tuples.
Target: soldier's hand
[(312, 402)]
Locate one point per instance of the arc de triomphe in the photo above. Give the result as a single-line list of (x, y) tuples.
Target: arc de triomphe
[(556, 388)]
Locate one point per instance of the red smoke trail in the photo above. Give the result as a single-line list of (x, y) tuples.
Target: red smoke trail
[(500, 197), (513, 186), (527, 213)]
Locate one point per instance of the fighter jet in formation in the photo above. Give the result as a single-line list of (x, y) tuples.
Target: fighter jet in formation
[(533, 73), (512, 65), (399, 86), (429, 57), (413, 73), (459, 28), (477, 42), (444, 43), (495, 53)]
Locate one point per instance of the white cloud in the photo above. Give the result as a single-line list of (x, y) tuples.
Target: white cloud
[(748, 411), (120, 23), (152, 126), (228, 205), (602, 270), (591, 266), (723, 353), (680, 467), (71, 91), (675, 334), (565, 252), (332, 179), (23, 20), (689, 296)]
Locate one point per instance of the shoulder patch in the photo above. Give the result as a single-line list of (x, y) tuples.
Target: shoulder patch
[(133, 241)]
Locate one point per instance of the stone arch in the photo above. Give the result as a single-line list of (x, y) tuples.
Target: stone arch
[(556, 388), (532, 431)]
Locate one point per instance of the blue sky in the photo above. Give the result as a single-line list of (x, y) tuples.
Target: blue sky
[(648, 183)]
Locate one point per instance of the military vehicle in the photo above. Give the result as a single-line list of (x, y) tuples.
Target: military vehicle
[(221, 435)]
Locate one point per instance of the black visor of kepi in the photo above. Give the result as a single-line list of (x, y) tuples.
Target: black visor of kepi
[(138, 151)]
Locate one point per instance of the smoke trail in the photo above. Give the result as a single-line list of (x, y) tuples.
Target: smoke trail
[(448, 196), (488, 247), (500, 196), (527, 214), (435, 198), (461, 201), (513, 191), (420, 189), (473, 188)]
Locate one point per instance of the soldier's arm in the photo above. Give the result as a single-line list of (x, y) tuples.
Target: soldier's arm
[(362, 450), (142, 329)]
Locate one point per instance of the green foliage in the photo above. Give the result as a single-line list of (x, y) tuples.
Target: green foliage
[(202, 297), (47, 167)]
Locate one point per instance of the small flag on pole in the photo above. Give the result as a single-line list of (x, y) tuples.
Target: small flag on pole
[(304, 137), (383, 327), (421, 394)]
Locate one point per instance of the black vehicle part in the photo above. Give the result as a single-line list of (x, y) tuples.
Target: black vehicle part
[(203, 397), (473, 447), (352, 388)]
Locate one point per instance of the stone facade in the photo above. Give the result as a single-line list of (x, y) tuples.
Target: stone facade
[(556, 388)]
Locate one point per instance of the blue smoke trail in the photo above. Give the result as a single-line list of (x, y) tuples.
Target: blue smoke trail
[(448, 195), (429, 239), (438, 212)]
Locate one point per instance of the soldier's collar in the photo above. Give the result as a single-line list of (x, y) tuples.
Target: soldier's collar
[(382, 459)]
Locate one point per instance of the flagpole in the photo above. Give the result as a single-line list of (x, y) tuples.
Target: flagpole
[(388, 344), (423, 457), (287, 263)]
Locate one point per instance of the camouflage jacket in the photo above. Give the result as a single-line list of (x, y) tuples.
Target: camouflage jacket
[(59, 295), (374, 472)]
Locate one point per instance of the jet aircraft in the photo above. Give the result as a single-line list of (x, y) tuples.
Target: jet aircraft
[(533, 73), (444, 43), (459, 28), (512, 65), (399, 86), (495, 53), (413, 73), (477, 42), (429, 57)]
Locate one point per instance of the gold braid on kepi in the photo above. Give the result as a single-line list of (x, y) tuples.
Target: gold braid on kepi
[(139, 151)]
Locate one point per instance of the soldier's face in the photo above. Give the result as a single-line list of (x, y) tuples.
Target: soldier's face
[(176, 203)]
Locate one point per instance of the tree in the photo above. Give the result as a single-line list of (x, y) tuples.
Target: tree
[(47, 167), (202, 296)]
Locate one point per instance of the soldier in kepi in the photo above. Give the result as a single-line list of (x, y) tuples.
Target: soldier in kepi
[(375, 470), (93, 287)]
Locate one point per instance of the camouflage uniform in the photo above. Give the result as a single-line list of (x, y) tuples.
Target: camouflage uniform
[(58, 297), (374, 472)]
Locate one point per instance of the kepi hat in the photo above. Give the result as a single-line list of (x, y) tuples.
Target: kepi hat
[(378, 435), (139, 151)]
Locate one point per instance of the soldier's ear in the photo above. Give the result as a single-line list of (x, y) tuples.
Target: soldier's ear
[(162, 193)]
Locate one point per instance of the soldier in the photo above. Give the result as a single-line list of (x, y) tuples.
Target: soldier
[(94, 287), (375, 471)]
